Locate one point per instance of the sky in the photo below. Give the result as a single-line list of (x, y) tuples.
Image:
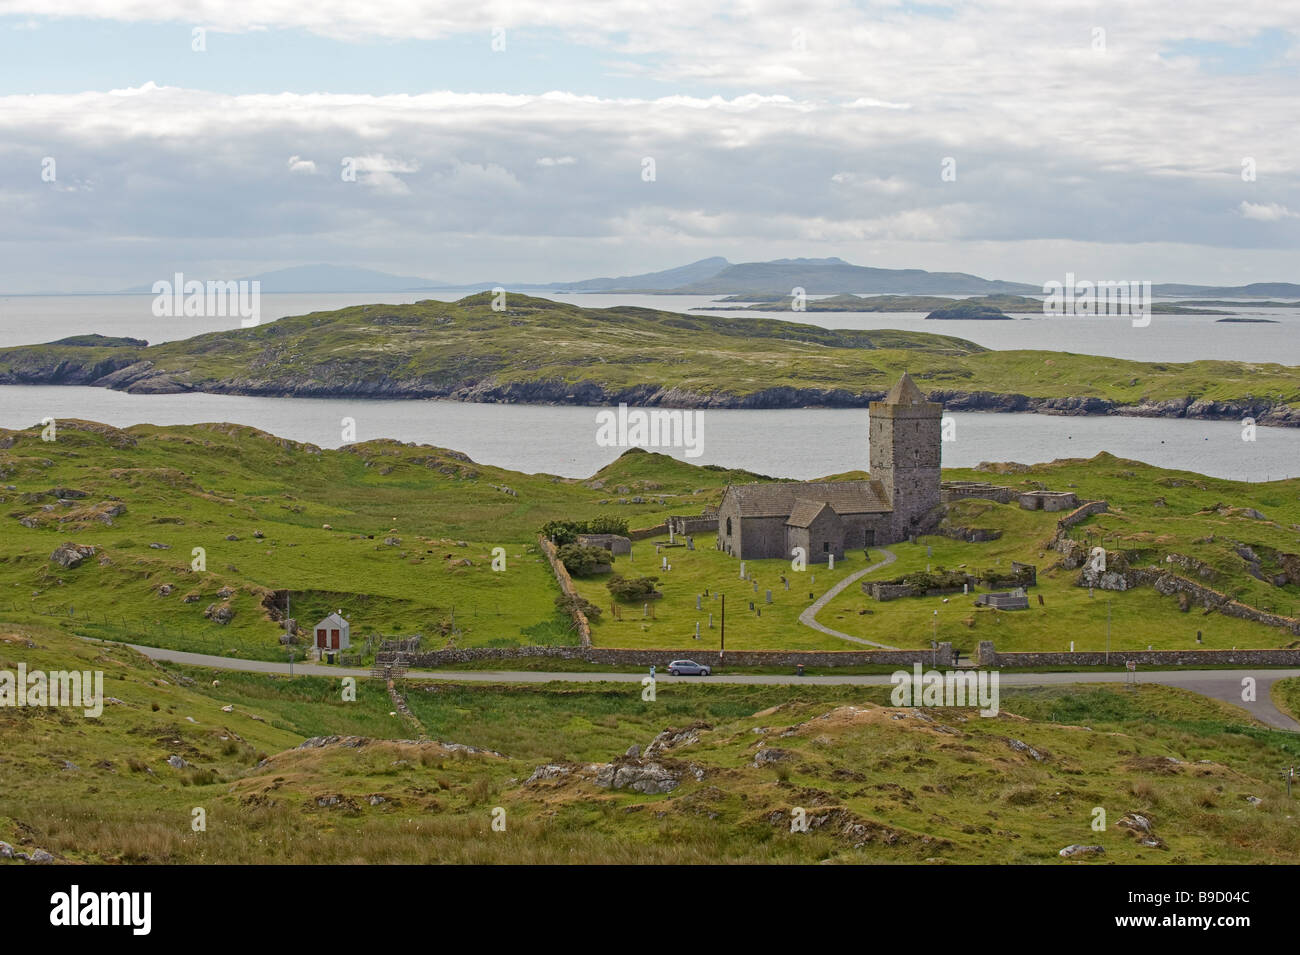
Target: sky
[(542, 141)]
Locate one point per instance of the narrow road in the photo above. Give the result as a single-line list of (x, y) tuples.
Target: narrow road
[(809, 617), (1225, 685)]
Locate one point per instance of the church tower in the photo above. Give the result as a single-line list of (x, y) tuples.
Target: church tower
[(906, 441)]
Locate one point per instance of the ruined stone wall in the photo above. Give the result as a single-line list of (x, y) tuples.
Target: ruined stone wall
[(988, 656), (566, 585)]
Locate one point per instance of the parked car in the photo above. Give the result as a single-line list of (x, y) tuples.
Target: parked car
[(688, 668)]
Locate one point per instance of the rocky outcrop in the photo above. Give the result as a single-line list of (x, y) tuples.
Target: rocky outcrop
[(69, 555), (639, 776)]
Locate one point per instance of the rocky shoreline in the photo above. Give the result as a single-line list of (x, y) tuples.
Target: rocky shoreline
[(142, 377)]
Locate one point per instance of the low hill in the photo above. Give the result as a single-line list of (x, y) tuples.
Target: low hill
[(287, 773), (539, 351)]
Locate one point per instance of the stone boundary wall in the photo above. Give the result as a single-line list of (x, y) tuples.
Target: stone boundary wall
[(690, 526), (566, 585), (708, 656), (952, 491), (988, 656), (642, 533), (1166, 583), (1080, 513)]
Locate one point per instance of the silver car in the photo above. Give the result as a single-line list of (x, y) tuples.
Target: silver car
[(688, 668)]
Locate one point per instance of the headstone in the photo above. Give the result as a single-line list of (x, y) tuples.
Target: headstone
[(755, 586), (786, 582), (690, 543), (751, 605), (672, 534), (830, 561), (710, 621), (663, 563), (742, 570), (697, 601), (1071, 646), (769, 596), (697, 630), (929, 551), (965, 588), (645, 611)]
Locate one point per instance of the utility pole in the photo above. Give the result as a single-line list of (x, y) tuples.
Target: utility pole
[(722, 633), (1108, 629)]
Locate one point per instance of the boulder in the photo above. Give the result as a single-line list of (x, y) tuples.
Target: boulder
[(1081, 852), (219, 613), (175, 762), (771, 754), (70, 555), (649, 778)]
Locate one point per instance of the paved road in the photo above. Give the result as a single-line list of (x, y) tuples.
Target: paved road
[(1225, 685), (809, 616)]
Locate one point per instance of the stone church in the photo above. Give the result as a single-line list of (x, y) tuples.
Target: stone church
[(901, 498)]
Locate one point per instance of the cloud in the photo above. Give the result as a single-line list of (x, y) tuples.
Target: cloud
[(1266, 212), (299, 165), (556, 161)]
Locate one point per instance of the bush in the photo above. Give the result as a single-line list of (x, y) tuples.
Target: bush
[(633, 589), (582, 561), (607, 524), (563, 532), (566, 532), (568, 604)]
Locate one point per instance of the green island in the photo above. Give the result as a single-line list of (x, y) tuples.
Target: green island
[(539, 351), (1002, 302)]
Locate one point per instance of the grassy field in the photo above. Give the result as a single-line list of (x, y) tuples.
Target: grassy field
[(545, 351), (401, 538), (877, 784)]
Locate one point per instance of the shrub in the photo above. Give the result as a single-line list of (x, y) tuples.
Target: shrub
[(569, 604), (584, 561), (633, 589)]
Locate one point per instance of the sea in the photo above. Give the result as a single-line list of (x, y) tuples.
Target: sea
[(799, 443)]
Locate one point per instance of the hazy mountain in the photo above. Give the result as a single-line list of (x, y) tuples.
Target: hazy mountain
[(834, 276), (1275, 289), (323, 278), (656, 281)]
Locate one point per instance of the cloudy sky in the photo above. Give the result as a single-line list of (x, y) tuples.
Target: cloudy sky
[(513, 140)]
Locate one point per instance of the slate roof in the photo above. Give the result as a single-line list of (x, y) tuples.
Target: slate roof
[(805, 512), (780, 499)]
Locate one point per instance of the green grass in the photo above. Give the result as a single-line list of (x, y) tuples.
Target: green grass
[(550, 351), (194, 486), (881, 785)]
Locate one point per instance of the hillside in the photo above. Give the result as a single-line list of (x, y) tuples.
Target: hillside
[(285, 771), (402, 537), (540, 351)]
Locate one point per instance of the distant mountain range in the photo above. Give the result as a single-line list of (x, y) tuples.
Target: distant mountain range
[(717, 276)]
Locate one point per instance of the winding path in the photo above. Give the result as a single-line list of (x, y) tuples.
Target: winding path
[(809, 616)]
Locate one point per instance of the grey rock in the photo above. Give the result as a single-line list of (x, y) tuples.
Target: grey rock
[(70, 555), (548, 771), (647, 778), (1081, 852), (175, 762), (771, 754)]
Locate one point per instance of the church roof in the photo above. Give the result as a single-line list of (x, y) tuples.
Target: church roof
[(779, 499), (805, 512)]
